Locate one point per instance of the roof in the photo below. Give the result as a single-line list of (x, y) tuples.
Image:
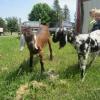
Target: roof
[(85, 0), (31, 24), (67, 24)]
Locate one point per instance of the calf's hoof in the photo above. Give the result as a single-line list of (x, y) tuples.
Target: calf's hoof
[(51, 58), (30, 69), (42, 71), (82, 74)]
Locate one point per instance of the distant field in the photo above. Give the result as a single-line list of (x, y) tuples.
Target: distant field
[(16, 82)]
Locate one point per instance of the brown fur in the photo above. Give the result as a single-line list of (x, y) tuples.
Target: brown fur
[(42, 38)]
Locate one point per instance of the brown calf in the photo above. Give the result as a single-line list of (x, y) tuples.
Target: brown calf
[(36, 42)]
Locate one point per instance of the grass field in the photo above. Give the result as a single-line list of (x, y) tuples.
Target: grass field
[(17, 83)]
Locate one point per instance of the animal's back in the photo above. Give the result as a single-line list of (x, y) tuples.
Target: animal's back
[(95, 35), (43, 36), (81, 37)]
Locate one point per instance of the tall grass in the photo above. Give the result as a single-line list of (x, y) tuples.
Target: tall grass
[(14, 73)]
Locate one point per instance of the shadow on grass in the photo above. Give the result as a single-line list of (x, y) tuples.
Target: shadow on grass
[(22, 69), (70, 72), (73, 71)]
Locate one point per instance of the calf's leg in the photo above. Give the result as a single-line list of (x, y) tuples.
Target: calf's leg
[(84, 64), (41, 61), (50, 49), (93, 57), (84, 61), (31, 61), (83, 67)]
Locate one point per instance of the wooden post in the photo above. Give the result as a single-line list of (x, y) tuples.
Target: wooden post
[(19, 33)]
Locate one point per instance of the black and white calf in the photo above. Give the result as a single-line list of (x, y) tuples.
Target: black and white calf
[(83, 43), (89, 45), (60, 36)]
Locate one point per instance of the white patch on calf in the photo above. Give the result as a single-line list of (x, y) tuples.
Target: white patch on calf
[(86, 59), (81, 37), (95, 35), (62, 29), (35, 41), (22, 42), (56, 31), (83, 67), (86, 47), (66, 38), (65, 29)]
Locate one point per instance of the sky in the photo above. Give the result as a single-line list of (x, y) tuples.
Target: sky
[(21, 8)]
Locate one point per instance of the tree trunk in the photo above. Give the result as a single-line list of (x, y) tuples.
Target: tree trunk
[(11, 33)]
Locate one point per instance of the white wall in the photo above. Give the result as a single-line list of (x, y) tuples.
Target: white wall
[(88, 5), (1, 29)]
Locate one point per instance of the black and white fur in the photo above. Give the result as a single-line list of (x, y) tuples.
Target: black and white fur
[(60, 36), (84, 44), (91, 45)]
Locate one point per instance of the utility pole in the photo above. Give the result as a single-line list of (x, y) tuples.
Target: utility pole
[(19, 33)]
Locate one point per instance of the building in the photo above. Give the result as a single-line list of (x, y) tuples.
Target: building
[(67, 24), (1, 30), (34, 25)]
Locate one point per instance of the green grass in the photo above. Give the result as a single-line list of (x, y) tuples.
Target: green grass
[(14, 72)]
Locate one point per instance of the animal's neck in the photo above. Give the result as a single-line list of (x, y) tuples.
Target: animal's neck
[(71, 39), (35, 41)]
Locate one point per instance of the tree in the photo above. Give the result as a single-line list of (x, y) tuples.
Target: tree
[(58, 11), (56, 5), (3, 23), (12, 24), (66, 13), (53, 18), (40, 11)]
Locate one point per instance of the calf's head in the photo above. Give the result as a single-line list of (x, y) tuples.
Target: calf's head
[(29, 37), (60, 36)]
